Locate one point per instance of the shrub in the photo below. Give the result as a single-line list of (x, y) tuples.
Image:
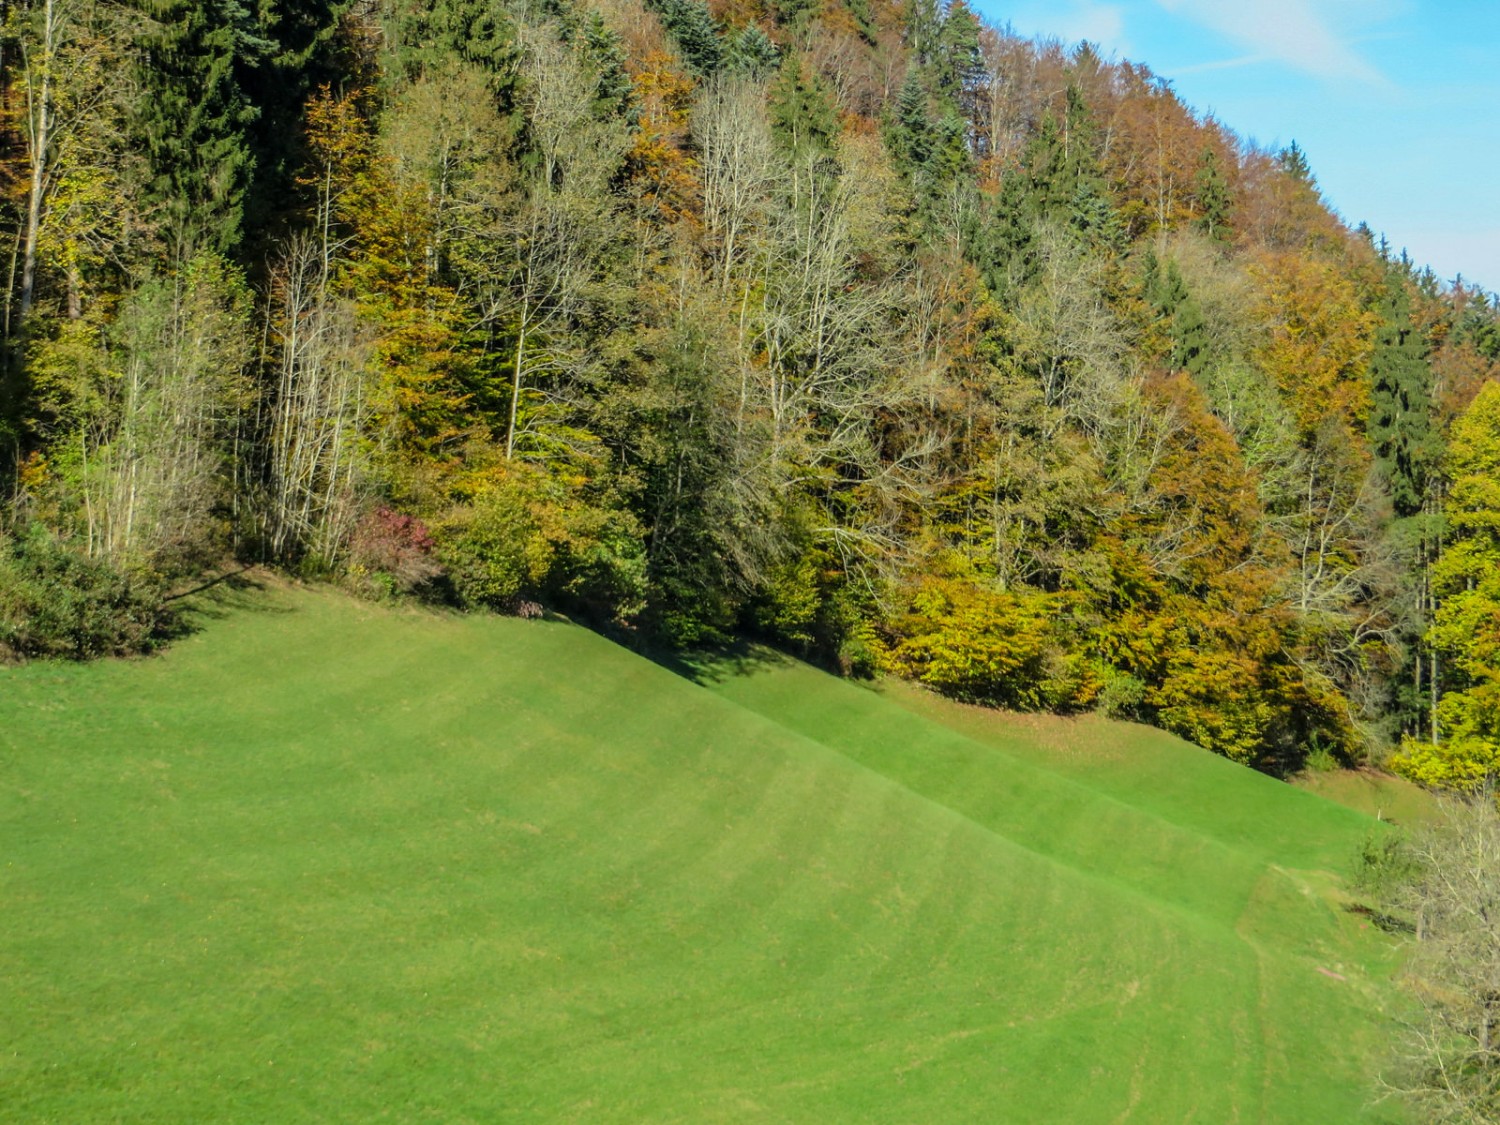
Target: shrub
[(1460, 764), (683, 613), (57, 602), (1120, 694), (987, 646), (808, 604), (524, 537), (392, 553)]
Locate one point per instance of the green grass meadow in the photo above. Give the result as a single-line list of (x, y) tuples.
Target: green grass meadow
[(330, 861)]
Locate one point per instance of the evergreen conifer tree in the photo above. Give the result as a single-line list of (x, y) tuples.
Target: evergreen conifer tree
[(924, 23), (909, 133), (305, 55), (613, 90), (803, 117), (752, 53), (1400, 425), (1213, 197), (195, 118), (477, 31), (690, 23), (1168, 293), (1062, 182), (860, 10), (950, 149), (1294, 163), (958, 65)]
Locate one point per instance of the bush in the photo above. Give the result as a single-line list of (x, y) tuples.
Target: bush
[(57, 602), (526, 538), (1461, 764), (809, 605), (1120, 694), (987, 646), (391, 553)]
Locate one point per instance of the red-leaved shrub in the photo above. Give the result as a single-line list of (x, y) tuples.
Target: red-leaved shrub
[(393, 547)]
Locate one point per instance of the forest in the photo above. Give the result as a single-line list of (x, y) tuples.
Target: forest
[(865, 328)]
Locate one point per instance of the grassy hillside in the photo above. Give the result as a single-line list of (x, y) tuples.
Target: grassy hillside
[(329, 861)]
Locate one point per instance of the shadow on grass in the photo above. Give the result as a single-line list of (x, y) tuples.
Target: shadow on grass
[(235, 591), (1390, 923), (717, 663)]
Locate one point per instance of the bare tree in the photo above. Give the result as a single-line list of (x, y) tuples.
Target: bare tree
[(318, 411), (155, 445), (1449, 1061), (40, 64), (1068, 338), (545, 255), (738, 168)]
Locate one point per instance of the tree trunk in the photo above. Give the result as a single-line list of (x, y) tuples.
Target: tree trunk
[(515, 383), (1432, 683), (39, 120)]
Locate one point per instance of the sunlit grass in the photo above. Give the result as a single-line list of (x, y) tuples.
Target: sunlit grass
[(325, 861)]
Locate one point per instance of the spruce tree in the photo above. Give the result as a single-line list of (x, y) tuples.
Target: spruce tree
[(613, 90), (1213, 197), (1478, 324), (950, 149), (1150, 275), (909, 133), (306, 54), (1063, 182), (695, 31), (930, 148), (958, 65), (1294, 163), (860, 10), (1003, 246), (752, 53), (195, 118), (1189, 334), (427, 32), (1400, 425), (924, 23), (792, 13), (803, 117), (1168, 293)]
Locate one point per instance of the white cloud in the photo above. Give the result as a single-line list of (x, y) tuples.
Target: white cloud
[(1221, 64), (1294, 32), (1101, 24)]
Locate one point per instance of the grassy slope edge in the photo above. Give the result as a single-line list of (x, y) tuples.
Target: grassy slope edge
[(330, 861)]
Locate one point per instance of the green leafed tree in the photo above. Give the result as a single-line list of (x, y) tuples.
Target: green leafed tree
[(1466, 623)]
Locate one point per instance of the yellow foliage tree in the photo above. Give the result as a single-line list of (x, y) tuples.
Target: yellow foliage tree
[(1466, 625), (1320, 341)]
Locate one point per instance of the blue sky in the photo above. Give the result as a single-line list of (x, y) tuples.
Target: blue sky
[(1396, 102)]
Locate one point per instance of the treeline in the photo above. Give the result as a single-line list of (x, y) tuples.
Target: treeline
[(867, 328)]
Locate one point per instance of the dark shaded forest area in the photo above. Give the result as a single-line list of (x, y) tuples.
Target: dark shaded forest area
[(862, 327)]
